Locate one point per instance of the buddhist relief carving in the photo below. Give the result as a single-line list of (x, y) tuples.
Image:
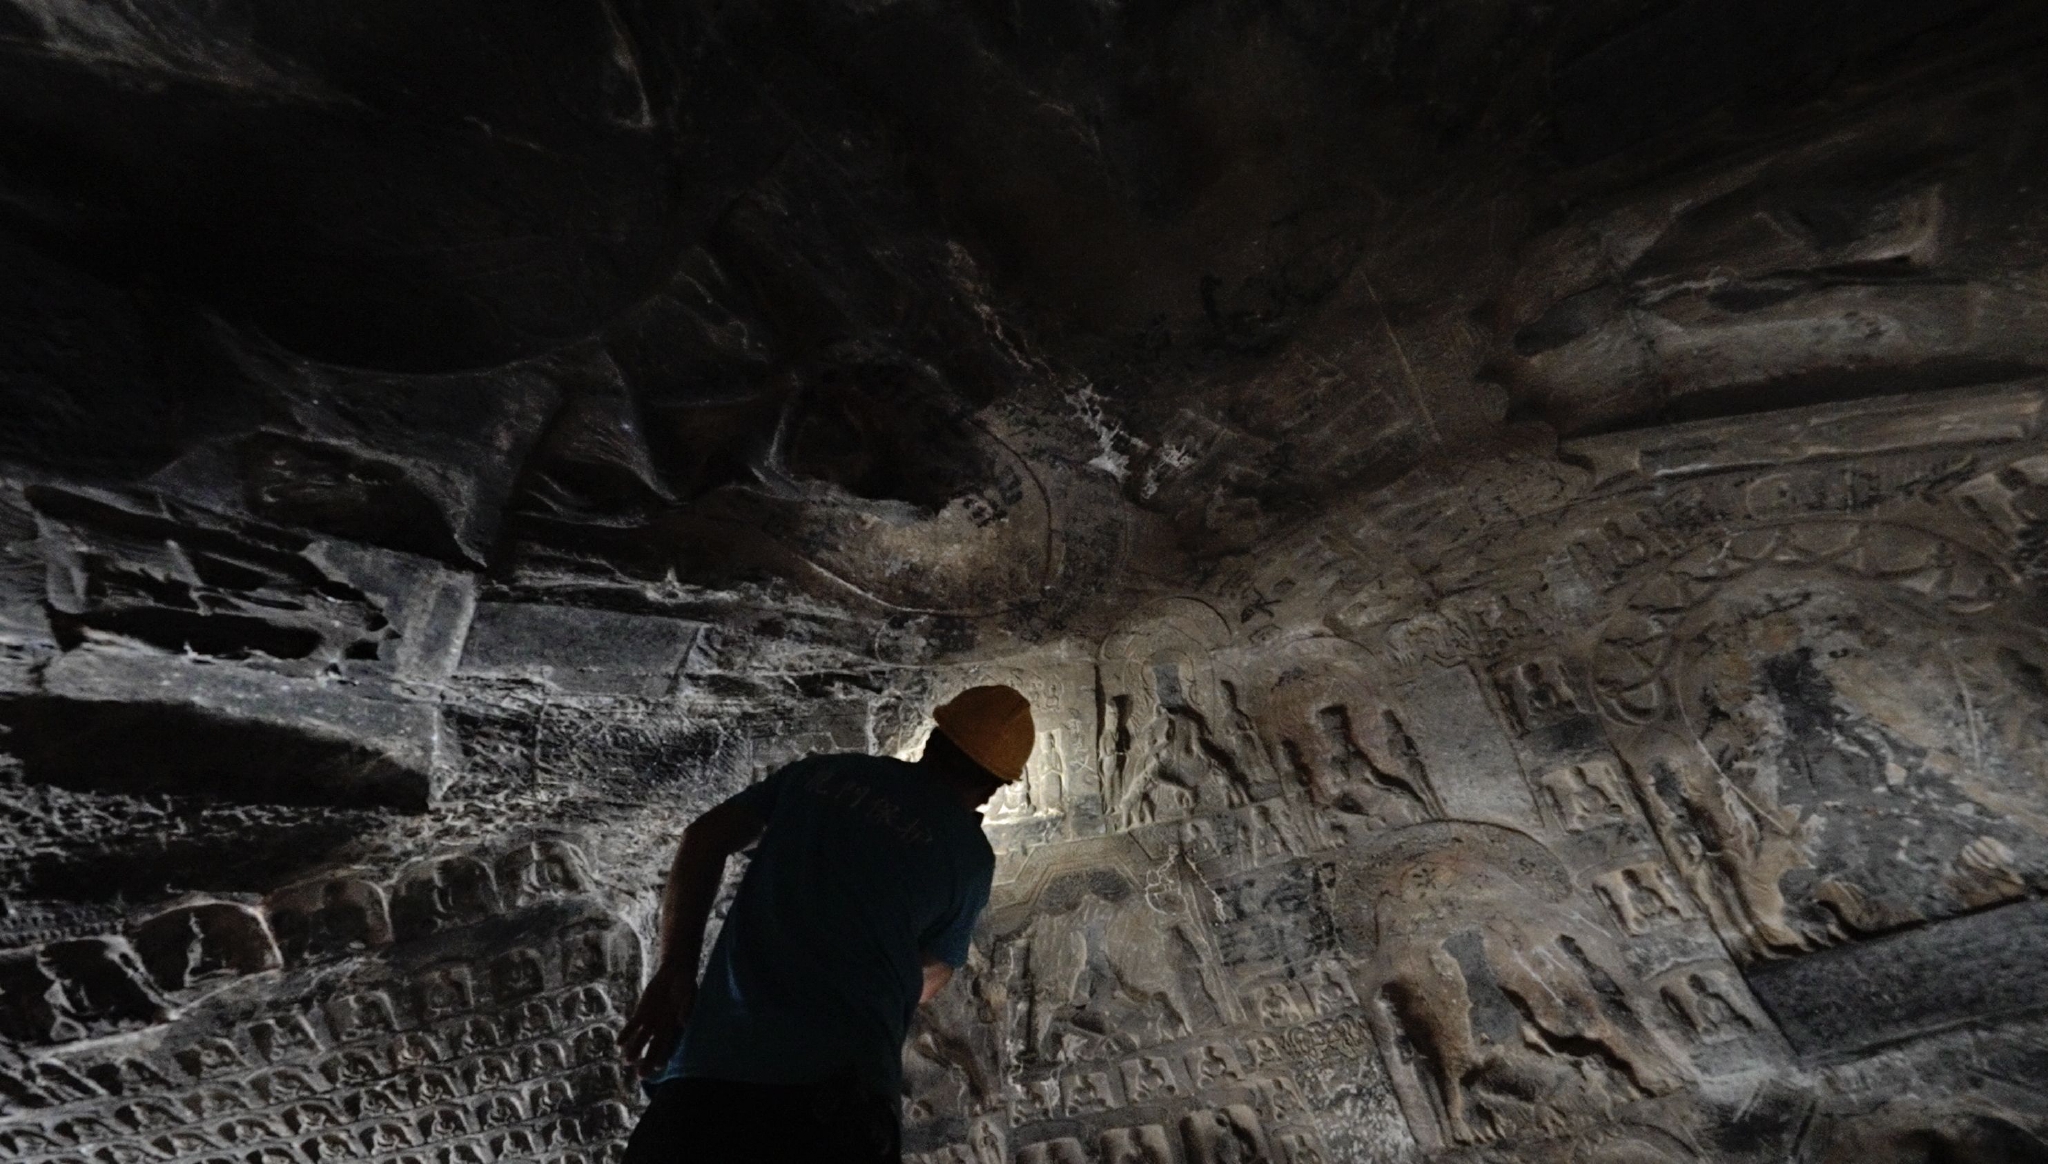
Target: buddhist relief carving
[(1641, 896), (1711, 1003), (191, 945), (329, 916), (1336, 735), (953, 1059), (1538, 693), (1501, 1005), (1144, 1145), (344, 1060), (1230, 1136), (76, 989), (1177, 736), (1587, 795), (1189, 757), (1785, 695), (542, 869), (443, 893), (1112, 959)]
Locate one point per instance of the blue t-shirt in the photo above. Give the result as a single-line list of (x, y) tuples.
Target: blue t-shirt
[(867, 865)]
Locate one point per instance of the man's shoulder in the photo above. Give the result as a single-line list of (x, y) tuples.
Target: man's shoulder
[(857, 767), (984, 853), (855, 762), (971, 840)]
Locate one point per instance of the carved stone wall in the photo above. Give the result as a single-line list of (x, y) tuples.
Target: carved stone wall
[(1617, 805), (382, 895), (466, 1010), (1672, 795), (1524, 526)]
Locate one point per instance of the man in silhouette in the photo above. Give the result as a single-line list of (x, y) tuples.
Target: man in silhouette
[(856, 907)]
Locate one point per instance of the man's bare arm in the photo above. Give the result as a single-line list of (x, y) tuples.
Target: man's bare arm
[(936, 975), (693, 879)]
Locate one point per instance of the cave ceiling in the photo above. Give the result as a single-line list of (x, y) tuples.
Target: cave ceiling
[(1525, 525)]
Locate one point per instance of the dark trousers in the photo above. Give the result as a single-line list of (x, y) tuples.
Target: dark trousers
[(718, 1121)]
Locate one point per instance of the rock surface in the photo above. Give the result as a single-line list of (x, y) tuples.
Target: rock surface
[(1525, 527)]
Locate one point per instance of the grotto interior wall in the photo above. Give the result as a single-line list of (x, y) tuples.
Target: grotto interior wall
[(1526, 531)]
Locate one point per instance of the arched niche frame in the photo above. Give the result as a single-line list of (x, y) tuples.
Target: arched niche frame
[(1499, 998)]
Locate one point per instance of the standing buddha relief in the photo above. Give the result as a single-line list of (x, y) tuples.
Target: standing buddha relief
[(1177, 739), (1345, 748)]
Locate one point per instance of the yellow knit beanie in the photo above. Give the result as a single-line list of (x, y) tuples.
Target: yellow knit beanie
[(993, 726)]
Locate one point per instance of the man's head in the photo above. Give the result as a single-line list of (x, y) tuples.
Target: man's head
[(982, 739)]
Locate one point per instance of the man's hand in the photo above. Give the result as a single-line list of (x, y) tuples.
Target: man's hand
[(649, 1038), (936, 975)]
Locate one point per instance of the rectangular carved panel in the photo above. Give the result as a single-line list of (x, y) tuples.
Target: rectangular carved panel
[(1971, 968)]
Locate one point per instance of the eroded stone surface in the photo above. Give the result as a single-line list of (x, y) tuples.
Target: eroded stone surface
[(1524, 529)]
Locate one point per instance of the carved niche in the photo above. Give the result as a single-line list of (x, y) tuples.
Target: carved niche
[(1178, 738), (1326, 726), (191, 944), (1501, 1006), (1105, 957)]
